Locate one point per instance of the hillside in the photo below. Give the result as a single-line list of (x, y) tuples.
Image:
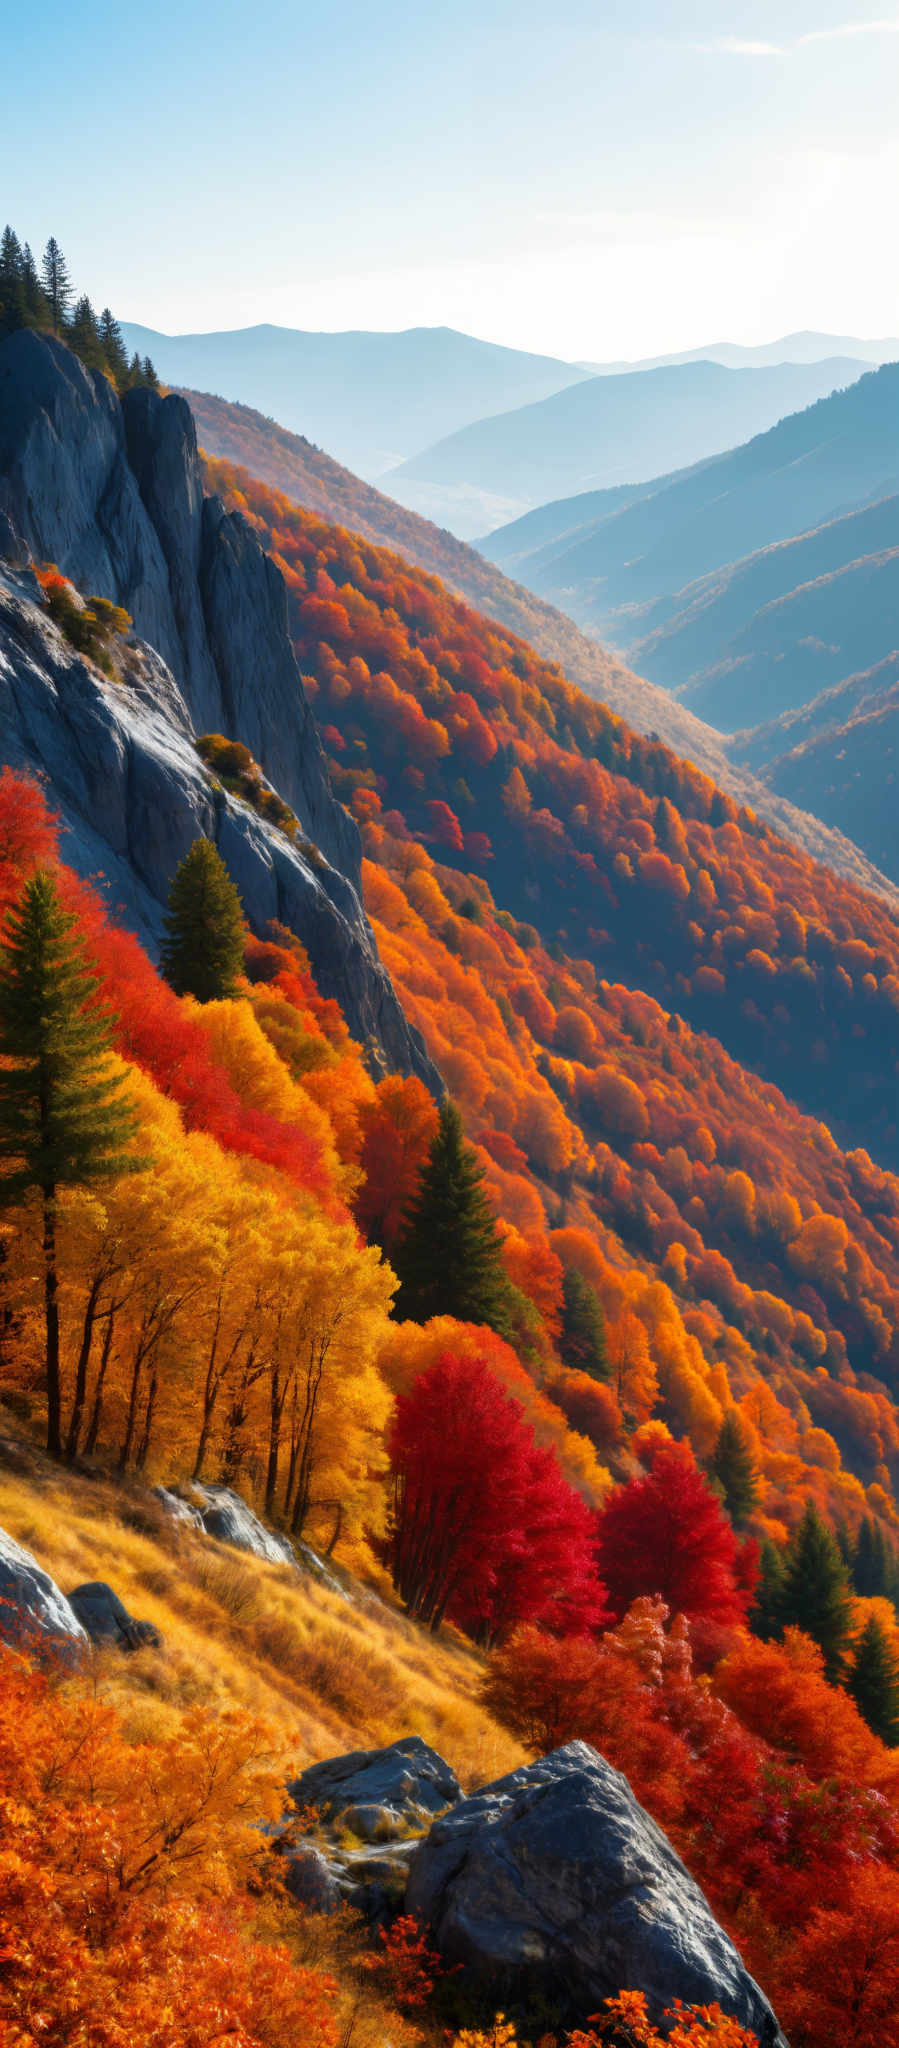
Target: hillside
[(604, 432), (839, 753), (314, 480), (372, 398), (606, 558)]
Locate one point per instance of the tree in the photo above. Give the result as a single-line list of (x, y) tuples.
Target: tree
[(871, 1562), (764, 1615), (449, 1257), (12, 295), (665, 1534), (83, 334), (113, 347), (874, 1682), (582, 1345), (55, 280), (814, 1595), (37, 311), (64, 1121), (203, 952), (732, 1466)]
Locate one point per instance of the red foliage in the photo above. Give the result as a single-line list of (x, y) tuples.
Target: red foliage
[(397, 1129), (666, 1535)]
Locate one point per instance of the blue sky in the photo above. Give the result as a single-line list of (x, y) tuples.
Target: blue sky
[(594, 181)]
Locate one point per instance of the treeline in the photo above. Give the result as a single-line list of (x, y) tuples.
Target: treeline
[(45, 299)]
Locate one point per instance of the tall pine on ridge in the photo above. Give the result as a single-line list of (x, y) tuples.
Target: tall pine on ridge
[(814, 1595), (731, 1464), (64, 1121), (204, 951), (874, 1682), (449, 1257)]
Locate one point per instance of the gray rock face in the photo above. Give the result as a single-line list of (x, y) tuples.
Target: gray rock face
[(106, 1619), (178, 1510), (34, 1614), (554, 1882), (375, 1792), (113, 494), (225, 1515)]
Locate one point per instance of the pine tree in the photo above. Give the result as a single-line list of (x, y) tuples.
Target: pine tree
[(64, 1121), (874, 1682), (764, 1617), (83, 334), (37, 311), (114, 352), (871, 1561), (204, 950), (12, 294), (582, 1344), (55, 279), (815, 1596), (449, 1256), (732, 1466)]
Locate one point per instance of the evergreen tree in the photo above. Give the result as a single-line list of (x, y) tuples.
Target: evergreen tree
[(732, 1466), (55, 280), (204, 950), (12, 294), (764, 1616), (37, 311), (815, 1595), (83, 334), (63, 1119), (449, 1257), (874, 1682), (871, 1564), (114, 352), (582, 1344)]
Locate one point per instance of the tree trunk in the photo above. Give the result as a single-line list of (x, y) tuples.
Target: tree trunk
[(131, 1423), (51, 1323), (84, 1353), (144, 1445), (97, 1405), (276, 1406)]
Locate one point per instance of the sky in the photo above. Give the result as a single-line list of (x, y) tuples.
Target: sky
[(593, 181)]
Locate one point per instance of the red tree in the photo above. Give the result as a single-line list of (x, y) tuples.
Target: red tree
[(666, 1534), (486, 1528)]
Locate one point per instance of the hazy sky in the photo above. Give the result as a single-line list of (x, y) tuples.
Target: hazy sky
[(595, 181)]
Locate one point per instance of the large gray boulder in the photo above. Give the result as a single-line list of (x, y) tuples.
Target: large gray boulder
[(379, 1792), (107, 1621), (553, 1883), (34, 1614), (224, 1514)]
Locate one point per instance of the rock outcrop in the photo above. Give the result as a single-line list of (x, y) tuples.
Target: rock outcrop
[(113, 494), (379, 1792), (34, 1614), (224, 1514), (106, 1620), (554, 1884)]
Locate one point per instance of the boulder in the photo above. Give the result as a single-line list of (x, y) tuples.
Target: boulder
[(553, 1885), (178, 1510), (379, 1792), (106, 1619), (34, 1614), (311, 1881), (224, 1514)]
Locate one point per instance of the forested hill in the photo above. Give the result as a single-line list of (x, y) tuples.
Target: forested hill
[(312, 479)]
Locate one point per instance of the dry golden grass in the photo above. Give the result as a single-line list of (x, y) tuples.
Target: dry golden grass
[(331, 1674)]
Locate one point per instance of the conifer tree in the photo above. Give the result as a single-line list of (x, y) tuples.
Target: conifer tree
[(83, 334), (37, 311), (871, 1561), (55, 280), (815, 1596), (764, 1617), (64, 1121), (204, 950), (874, 1682), (732, 1466), (12, 295), (449, 1256), (582, 1344), (114, 352)]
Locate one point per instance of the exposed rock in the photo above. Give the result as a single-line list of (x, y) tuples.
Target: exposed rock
[(224, 1514), (113, 494), (318, 1570), (178, 1510), (378, 1792), (34, 1614), (106, 1619), (312, 1881), (553, 1883)]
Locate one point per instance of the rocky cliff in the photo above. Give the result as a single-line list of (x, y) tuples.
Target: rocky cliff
[(112, 493)]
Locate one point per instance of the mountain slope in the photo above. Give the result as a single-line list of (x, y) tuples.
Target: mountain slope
[(373, 398), (610, 431), (803, 347), (313, 479), (604, 558)]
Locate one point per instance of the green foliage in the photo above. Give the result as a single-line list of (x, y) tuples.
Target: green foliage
[(814, 1595), (204, 949), (764, 1616), (872, 1563), (29, 300), (874, 1683), (449, 1257), (582, 1344), (732, 1466), (89, 627), (237, 771), (64, 1121), (55, 281)]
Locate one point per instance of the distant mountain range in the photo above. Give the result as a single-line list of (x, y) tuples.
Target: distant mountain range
[(610, 430), (805, 347), (371, 399)]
